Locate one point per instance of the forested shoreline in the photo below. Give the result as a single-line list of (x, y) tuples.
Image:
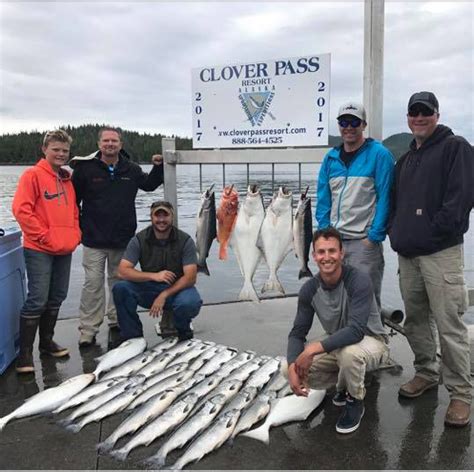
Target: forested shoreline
[(25, 148)]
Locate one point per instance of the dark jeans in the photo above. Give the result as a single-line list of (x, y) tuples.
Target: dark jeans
[(185, 304), (48, 281)]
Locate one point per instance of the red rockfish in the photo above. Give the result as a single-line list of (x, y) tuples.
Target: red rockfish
[(226, 217)]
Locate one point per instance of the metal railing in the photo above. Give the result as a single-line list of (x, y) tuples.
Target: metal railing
[(224, 157)]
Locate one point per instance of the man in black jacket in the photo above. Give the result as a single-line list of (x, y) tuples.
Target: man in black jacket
[(106, 184), (432, 198)]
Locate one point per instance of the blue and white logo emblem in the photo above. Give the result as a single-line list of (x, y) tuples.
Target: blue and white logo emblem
[(256, 105)]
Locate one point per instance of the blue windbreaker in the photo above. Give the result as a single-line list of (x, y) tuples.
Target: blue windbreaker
[(356, 200)]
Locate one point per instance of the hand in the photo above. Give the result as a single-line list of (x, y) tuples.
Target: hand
[(158, 305), (368, 243), (157, 159), (165, 276), (299, 387), (303, 362)]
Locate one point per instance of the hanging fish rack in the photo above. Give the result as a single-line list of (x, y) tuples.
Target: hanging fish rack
[(224, 157)]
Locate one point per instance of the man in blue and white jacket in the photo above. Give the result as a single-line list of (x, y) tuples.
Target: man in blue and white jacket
[(353, 193)]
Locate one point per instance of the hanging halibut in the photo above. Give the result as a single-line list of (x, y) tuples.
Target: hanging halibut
[(244, 240), (276, 236)]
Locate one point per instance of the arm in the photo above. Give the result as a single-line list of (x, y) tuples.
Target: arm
[(78, 184), (323, 200), (126, 271), (151, 181), (384, 173), (297, 336), (189, 261), (303, 321), (76, 215), (23, 207), (458, 195), (187, 280)]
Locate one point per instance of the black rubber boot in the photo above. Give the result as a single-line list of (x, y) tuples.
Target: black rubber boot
[(28, 327), (185, 335), (46, 333), (167, 327)]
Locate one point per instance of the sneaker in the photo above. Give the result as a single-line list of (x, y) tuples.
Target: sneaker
[(350, 419), (416, 387), (339, 399), (86, 340)]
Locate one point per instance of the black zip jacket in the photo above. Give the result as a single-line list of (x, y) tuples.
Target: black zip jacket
[(433, 195), (107, 200)]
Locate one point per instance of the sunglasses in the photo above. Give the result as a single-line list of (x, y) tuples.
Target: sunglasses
[(354, 123), (414, 111)]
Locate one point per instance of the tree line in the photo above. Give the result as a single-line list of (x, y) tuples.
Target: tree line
[(25, 147)]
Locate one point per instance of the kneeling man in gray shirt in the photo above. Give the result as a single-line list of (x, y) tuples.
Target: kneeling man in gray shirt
[(343, 299)]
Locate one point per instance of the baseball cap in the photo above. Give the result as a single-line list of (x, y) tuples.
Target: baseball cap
[(162, 205), (425, 98), (353, 109)]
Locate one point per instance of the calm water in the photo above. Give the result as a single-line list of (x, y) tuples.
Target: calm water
[(225, 281)]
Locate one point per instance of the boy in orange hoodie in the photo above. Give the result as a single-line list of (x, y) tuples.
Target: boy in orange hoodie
[(45, 207)]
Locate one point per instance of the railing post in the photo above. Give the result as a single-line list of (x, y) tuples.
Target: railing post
[(170, 188)]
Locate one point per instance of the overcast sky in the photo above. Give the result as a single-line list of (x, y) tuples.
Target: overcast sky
[(129, 64)]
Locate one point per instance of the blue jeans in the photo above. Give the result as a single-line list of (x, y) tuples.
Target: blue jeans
[(48, 281), (185, 304)]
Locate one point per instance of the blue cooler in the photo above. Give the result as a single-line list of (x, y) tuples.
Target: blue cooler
[(12, 295)]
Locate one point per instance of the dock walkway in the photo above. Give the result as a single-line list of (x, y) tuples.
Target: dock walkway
[(394, 433)]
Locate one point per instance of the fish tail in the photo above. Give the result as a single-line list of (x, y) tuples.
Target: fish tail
[(248, 292), (223, 251), (64, 422), (273, 284), (74, 428), (119, 454), (305, 272), (260, 434), (176, 466), (105, 446), (59, 409), (4, 421), (156, 461), (203, 269)]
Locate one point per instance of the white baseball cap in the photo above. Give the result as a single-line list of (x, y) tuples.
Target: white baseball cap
[(353, 109)]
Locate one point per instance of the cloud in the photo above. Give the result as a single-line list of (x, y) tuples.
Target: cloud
[(130, 64)]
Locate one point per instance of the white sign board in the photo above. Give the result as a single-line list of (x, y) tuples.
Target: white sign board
[(283, 102)]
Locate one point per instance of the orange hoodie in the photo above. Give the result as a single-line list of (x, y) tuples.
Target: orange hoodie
[(45, 207)]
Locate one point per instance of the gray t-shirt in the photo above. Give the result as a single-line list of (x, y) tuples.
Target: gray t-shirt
[(132, 253)]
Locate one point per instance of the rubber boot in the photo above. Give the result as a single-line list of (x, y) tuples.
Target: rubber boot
[(46, 333), (167, 327), (28, 327)]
